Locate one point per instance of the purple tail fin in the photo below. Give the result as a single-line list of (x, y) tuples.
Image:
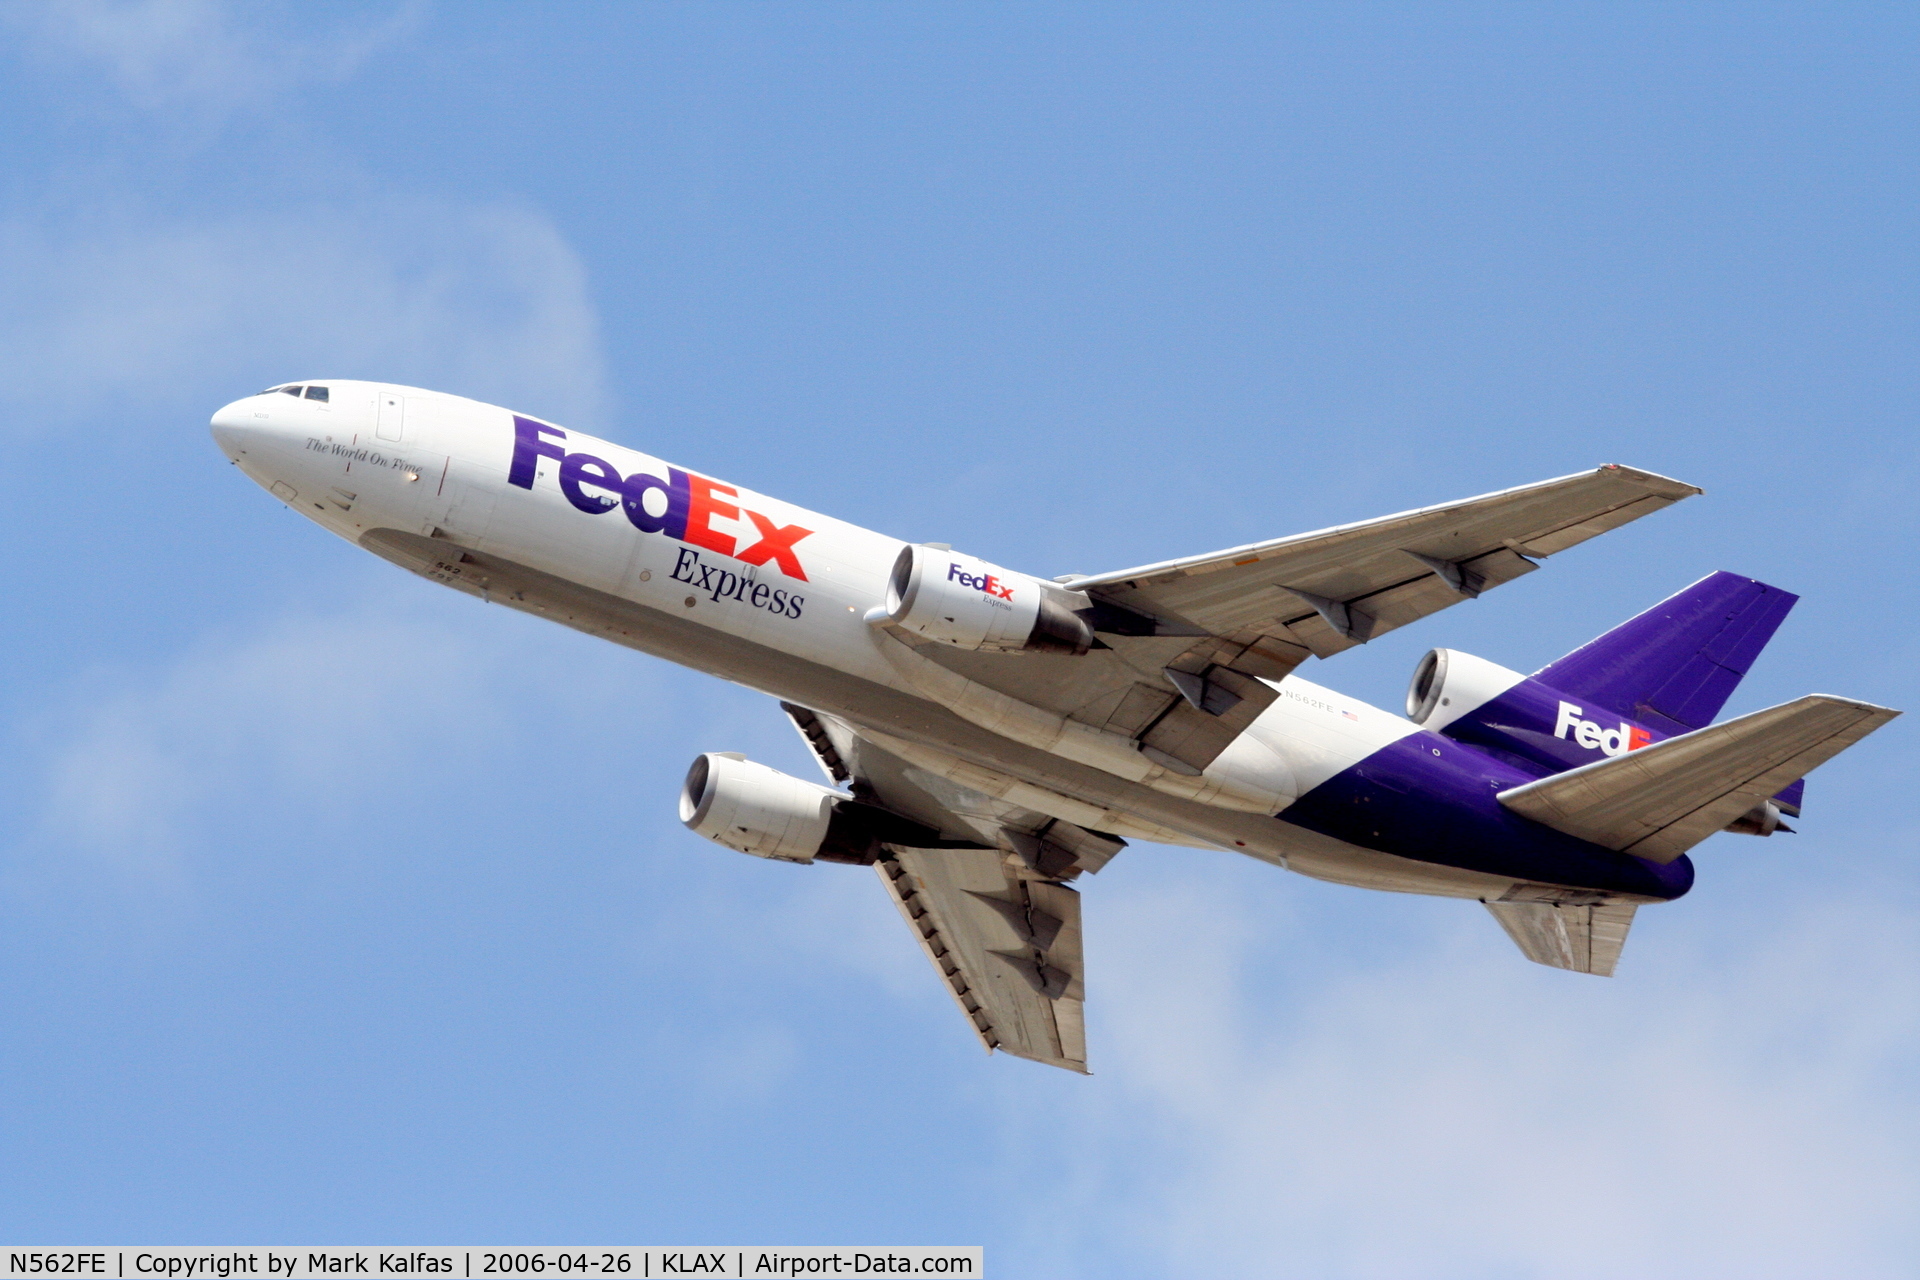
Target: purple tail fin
[(1673, 667), (1665, 673)]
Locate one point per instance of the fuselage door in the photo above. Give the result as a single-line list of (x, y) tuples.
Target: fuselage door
[(393, 416)]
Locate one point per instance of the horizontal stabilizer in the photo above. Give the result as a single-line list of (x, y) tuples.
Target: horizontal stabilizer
[(1660, 801), (1585, 939)]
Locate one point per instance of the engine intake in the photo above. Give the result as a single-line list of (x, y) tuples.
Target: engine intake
[(971, 604), (751, 808), (1448, 683)]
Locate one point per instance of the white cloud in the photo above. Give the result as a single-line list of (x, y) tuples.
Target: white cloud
[(343, 706), (294, 268), (1467, 1114), (487, 301), (200, 56)]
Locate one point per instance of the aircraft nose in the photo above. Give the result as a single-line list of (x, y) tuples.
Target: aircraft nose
[(233, 424)]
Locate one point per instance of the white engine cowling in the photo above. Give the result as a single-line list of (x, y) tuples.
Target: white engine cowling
[(1448, 683), (753, 809), (971, 604)]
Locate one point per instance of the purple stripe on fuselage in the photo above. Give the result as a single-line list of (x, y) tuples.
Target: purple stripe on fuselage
[(1431, 799)]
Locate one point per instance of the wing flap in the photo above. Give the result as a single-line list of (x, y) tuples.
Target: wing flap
[(1216, 705), (1374, 613), (1661, 800)]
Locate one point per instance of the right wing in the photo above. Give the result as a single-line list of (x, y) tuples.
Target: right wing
[(1000, 924), (1008, 947), (1661, 800)]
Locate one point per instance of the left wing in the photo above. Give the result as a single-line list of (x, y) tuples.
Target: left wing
[(1000, 923), (1188, 644), (1327, 591)]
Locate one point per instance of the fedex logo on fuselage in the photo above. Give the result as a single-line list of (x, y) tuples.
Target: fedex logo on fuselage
[(984, 582), (683, 505), (1589, 734)]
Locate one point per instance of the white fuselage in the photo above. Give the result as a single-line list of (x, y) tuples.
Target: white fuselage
[(776, 597)]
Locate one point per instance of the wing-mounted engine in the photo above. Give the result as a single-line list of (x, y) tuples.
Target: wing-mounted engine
[(957, 600), (751, 808), (1181, 694)]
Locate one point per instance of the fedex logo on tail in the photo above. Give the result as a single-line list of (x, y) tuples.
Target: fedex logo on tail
[(683, 505), (983, 582), (1589, 734)]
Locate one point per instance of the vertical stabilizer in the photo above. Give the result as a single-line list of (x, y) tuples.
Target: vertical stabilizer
[(1673, 667)]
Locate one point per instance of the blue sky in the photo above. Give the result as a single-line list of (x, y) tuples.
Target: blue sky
[(338, 908)]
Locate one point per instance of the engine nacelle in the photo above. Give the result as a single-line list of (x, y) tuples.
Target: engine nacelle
[(750, 808), (971, 604), (1447, 684)]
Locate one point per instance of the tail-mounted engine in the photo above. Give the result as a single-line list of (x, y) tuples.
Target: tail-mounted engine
[(971, 604), (1448, 684), (750, 808)]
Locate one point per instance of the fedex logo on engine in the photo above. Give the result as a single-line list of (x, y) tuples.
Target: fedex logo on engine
[(683, 505), (1589, 734), (984, 582)]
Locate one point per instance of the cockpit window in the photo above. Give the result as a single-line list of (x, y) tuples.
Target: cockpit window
[(317, 393), (290, 391)]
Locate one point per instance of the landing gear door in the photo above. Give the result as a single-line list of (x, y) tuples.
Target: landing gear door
[(392, 423)]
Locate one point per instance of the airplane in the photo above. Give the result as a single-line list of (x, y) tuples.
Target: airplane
[(986, 737)]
